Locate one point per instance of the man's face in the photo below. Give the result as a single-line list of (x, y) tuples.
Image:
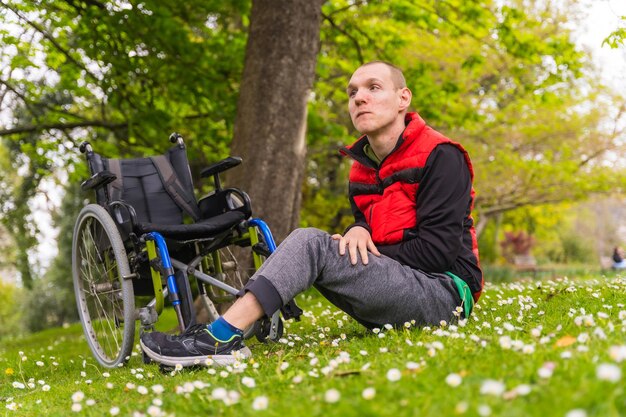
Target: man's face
[(375, 103)]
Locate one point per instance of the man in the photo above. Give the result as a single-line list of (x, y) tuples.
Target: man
[(410, 255)]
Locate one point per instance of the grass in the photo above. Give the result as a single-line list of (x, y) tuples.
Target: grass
[(532, 348)]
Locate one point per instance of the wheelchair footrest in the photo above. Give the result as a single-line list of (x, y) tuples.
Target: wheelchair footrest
[(291, 311), (269, 329)]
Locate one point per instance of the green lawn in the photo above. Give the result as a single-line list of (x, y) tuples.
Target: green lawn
[(543, 348)]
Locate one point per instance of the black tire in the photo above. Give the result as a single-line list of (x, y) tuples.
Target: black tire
[(104, 297)]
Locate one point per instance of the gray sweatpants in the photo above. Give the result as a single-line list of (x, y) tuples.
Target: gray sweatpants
[(383, 291)]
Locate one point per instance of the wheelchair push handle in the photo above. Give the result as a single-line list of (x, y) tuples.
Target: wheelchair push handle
[(177, 138), (85, 147)]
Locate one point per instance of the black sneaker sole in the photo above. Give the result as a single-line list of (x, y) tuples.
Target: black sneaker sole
[(203, 360)]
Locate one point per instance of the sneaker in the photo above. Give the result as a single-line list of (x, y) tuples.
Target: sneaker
[(195, 346)]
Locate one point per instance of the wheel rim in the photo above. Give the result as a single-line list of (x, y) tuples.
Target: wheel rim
[(99, 291)]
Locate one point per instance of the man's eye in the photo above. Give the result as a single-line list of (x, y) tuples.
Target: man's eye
[(351, 93), (374, 87)]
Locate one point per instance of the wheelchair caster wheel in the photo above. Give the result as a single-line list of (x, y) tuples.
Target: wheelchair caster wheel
[(262, 331)]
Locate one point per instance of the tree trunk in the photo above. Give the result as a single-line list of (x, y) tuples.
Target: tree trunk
[(270, 126)]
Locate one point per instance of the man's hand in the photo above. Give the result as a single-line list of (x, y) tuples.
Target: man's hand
[(357, 239)]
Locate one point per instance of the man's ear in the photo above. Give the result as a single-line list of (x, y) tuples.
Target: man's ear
[(405, 98)]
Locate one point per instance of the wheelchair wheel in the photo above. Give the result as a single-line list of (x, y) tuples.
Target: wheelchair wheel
[(104, 296)]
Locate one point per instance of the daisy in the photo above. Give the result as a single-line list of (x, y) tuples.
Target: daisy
[(492, 387), (454, 380), (260, 403), (332, 396), (248, 382), (394, 375), (608, 372), (78, 396), (368, 393)]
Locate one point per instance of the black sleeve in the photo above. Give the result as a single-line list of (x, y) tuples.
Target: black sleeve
[(359, 218), (443, 200)]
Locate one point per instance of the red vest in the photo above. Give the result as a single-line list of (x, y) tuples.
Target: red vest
[(387, 196)]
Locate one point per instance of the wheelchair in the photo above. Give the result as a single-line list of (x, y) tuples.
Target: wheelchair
[(136, 249)]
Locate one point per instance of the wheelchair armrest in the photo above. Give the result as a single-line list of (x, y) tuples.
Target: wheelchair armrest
[(224, 200), (114, 209), (98, 180), (221, 166)]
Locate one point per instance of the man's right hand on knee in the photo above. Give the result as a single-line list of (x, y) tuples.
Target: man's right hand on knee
[(358, 240)]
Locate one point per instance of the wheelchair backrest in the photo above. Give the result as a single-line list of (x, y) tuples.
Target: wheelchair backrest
[(159, 189)]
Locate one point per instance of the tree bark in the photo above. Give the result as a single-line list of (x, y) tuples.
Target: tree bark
[(270, 125)]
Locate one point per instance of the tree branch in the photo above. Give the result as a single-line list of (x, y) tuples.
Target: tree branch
[(61, 126), (87, 123), (359, 51)]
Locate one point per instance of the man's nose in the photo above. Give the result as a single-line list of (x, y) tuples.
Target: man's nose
[(360, 96)]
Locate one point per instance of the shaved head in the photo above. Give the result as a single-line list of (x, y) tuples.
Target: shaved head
[(396, 73)]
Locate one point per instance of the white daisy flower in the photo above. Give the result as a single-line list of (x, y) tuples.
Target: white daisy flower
[(368, 393), (248, 382), (154, 411), (78, 396), (260, 403), (219, 394), (332, 396), (618, 353), (492, 387), (454, 380), (394, 375), (608, 372)]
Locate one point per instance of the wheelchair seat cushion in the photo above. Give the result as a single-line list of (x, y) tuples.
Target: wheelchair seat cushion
[(206, 228)]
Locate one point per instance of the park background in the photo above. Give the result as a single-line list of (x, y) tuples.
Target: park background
[(539, 107)]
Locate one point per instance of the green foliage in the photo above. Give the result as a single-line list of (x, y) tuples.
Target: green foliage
[(121, 77), (47, 305), (617, 37), (52, 302), (576, 249), (10, 310), (133, 73), (488, 244)]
